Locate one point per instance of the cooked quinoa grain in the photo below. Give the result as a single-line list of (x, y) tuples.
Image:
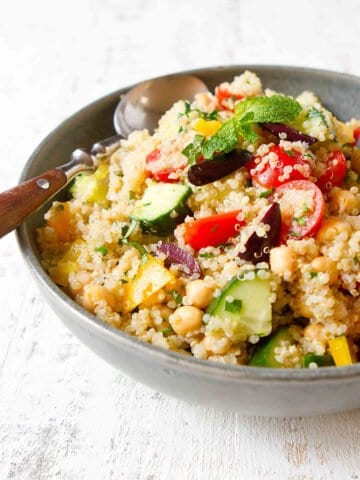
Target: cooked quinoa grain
[(231, 234)]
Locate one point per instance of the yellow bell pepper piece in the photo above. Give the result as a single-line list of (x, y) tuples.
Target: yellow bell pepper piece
[(207, 127), (151, 277), (92, 188), (340, 351)]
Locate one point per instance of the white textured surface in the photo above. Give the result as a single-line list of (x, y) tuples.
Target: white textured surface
[(65, 414)]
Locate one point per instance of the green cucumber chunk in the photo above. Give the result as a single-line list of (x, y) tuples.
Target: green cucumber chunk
[(264, 355), (245, 304), (320, 360), (162, 207)]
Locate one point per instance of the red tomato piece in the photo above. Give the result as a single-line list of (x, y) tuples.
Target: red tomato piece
[(226, 98), (309, 221), (212, 231), (356, 136), (160, 169), (335, 172), (291, 165)]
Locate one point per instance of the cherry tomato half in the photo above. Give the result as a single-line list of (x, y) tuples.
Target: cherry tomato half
[(226, 98), (212, 231), (276, 174), (308, 222), (335, 172), (161, 170)]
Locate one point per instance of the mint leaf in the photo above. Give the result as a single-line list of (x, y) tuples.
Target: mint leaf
[(193, 150), (276, 109), (224, 140), (247, 132)]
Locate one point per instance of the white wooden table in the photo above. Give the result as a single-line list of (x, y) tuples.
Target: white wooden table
[(64, 413)]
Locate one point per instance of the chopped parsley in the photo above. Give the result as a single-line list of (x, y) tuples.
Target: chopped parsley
[(127, 230), (181, 129), (131, 195), (234, 306), (214, 115), (103, 250), (140, 248), (176, 296), (267, 193), (313, 274), (206, 255), (291, 153), (356, 260), (306, 208), (167, 331), (294, 234), (300, 220), (123, 280)]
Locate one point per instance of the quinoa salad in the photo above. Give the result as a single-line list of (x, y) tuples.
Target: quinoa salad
[(231, 234)]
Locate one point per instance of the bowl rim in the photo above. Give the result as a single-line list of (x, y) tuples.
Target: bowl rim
[(236, 373)]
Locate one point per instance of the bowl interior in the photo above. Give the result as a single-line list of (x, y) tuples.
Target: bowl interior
[(340, 93)]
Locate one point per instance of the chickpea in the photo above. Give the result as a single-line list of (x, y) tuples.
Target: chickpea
[(343, 201), (198, 293), (326, 265), (282, 260), (355, 160), (314, 331), (94, 294), (186, 319), (332, 227)]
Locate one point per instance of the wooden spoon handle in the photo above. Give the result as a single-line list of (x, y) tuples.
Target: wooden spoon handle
[(20, 202)]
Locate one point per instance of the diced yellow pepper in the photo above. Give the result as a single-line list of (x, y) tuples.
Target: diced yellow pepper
[(207, 127), (340, 350), (344, 132), (68, 263), (151, 277), (92, 188)]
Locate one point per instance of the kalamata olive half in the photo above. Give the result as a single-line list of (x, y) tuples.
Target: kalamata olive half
[(291, 134), (258, 248), (178, 256), (210, 170)]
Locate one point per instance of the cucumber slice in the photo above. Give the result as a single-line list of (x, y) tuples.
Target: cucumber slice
[(264, 355), (245, 304), (320, 360), (162, 208)]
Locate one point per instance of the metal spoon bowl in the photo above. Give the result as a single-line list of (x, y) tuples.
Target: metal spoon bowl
[(139, 109)]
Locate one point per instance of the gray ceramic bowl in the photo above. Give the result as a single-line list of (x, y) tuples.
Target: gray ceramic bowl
[(249, 390)]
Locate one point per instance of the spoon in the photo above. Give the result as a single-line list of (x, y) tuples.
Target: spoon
[(140, 108)]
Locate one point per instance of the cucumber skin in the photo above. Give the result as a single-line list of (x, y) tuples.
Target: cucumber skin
[(264, 353), (321, 360), (164, 224)]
